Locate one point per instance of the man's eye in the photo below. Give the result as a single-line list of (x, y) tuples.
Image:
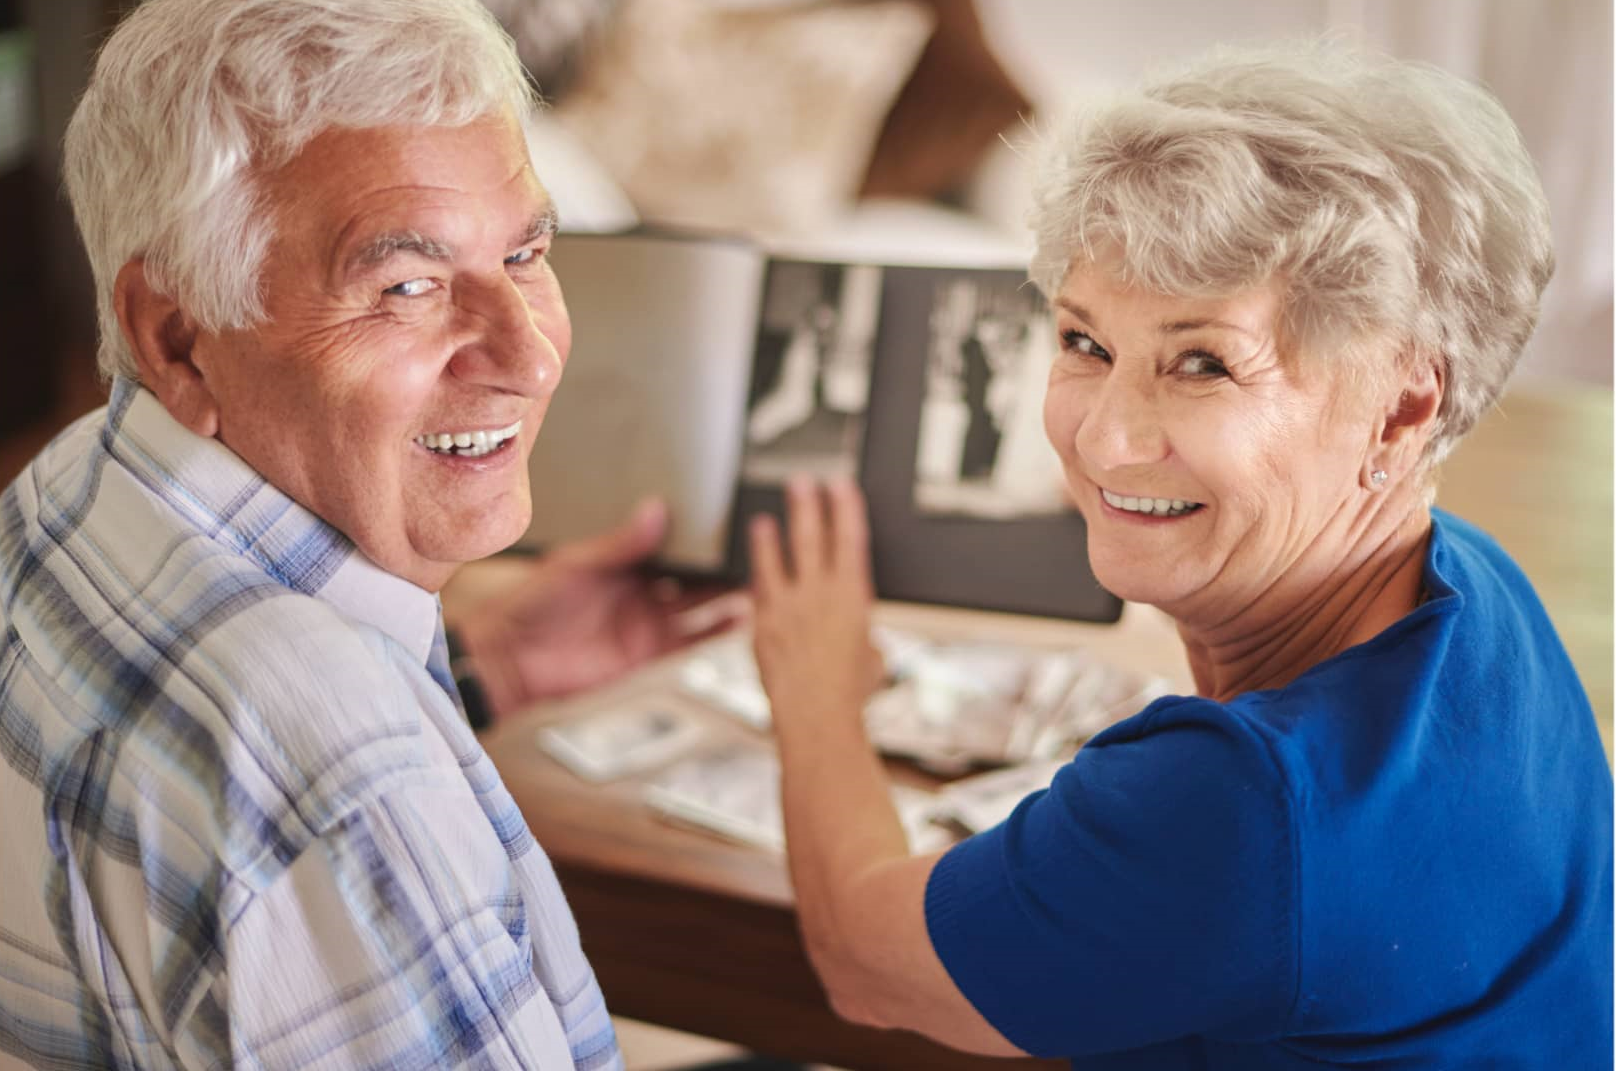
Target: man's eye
[(1201, 364), (526, 255), (1077, 341), (412, 287)]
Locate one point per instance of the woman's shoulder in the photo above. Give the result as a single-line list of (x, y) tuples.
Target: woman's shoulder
[(1177, 740), (1492, 596)]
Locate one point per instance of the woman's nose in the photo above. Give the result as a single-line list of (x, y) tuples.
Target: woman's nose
[(1121, 424)]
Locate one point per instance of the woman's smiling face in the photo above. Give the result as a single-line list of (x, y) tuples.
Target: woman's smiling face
[(1206, 461)]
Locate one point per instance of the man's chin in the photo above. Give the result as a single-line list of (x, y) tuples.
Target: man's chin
[(445, 549), (490, 539)]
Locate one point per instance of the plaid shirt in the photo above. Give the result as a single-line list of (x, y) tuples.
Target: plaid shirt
[(241, 821)]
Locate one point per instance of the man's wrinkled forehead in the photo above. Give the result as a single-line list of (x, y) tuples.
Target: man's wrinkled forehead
[(358, 197)]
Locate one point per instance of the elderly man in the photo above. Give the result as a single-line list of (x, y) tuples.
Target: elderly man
[(245, 822)]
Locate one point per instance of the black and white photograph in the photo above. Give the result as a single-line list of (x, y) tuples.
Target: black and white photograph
[(811, 376), (603, 746), (981, 450)]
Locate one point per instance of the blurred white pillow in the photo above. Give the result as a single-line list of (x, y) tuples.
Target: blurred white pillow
[(585, 195), (753, 119)]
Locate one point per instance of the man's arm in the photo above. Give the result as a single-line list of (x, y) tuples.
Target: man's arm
[(860, 895)]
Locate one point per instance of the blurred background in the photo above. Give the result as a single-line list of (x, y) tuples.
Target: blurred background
[(888, 119)]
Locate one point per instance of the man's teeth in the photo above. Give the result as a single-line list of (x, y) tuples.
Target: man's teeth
[(469, 443), (1147, 505)]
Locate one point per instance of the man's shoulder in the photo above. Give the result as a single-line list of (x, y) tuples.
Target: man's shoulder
[(200, 682), (304, 714)]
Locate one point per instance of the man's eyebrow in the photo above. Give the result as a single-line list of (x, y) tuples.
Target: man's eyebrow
[(378, 249), (544, 223)]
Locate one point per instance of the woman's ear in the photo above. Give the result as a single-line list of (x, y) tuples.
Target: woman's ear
[(162, 338), (1409, 418)]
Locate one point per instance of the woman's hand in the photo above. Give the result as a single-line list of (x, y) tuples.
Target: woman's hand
[(860, 894), (811, 601)]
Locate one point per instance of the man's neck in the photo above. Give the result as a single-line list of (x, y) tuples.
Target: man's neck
[(1320, 607)]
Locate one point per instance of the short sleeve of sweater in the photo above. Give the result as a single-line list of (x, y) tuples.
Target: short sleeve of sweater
[(1145, 896)]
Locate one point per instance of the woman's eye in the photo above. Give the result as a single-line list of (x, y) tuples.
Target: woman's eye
[(1077, 341), (412, 287), (1201, 364)]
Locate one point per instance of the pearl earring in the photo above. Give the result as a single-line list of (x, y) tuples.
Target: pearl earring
[(1378, 477)]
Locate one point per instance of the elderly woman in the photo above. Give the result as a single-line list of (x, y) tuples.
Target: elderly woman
[(1285, 284)]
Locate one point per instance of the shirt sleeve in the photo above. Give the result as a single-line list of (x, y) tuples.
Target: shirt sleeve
[(1147, 895), (398, 940)]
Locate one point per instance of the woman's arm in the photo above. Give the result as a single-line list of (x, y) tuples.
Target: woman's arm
[(860, 894)]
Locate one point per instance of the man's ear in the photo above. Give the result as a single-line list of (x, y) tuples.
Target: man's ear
[(1406, 424), (163, 340)]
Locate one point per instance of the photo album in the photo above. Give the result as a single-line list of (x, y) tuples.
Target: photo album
[(708, 370)]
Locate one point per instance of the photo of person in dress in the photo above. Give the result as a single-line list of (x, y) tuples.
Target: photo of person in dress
[(811, 383), (981, 452)]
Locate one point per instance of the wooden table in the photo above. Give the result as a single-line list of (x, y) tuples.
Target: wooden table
[(697, 933)]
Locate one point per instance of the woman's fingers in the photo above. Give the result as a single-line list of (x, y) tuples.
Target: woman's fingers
[(828, 535), (768, 569), (851, 525), (807, 525)]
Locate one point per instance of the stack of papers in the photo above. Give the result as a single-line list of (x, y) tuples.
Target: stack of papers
[(628, 739)]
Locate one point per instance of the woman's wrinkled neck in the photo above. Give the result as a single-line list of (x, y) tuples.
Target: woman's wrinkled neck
[(1349, 589)]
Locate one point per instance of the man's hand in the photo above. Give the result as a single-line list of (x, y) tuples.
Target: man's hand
[(583, 614), (812, 609)]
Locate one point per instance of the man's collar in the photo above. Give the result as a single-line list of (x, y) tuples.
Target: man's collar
[(225, 499)]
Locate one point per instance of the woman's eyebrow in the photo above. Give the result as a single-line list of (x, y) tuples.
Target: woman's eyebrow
[(1077, 310), (1179, 326)]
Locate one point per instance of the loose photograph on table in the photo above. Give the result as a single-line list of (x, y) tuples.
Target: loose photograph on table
[(981, 450), (811, 376), (633, 737)]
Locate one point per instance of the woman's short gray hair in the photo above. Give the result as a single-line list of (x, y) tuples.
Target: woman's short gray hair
[(192, 99), (1395, 203)]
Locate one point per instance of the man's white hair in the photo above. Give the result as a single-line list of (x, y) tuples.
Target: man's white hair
[(192, 101), (1395, 203)]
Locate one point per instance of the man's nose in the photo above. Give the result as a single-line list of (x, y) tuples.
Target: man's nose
[(508, 342)]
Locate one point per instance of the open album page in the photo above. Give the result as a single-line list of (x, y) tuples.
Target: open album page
[(654, 392)]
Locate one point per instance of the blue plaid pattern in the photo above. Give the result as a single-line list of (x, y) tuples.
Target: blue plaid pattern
[(243, 823)]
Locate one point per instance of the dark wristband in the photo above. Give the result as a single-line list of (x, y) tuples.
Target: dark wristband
[(463, 670)]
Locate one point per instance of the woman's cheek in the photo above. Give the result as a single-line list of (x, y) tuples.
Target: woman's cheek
[(1062, 414)]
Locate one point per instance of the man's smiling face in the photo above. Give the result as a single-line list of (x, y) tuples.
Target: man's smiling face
[(407, 297)]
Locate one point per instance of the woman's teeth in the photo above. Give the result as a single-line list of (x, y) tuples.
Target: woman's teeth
[(469, 443), (1148, 505)]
